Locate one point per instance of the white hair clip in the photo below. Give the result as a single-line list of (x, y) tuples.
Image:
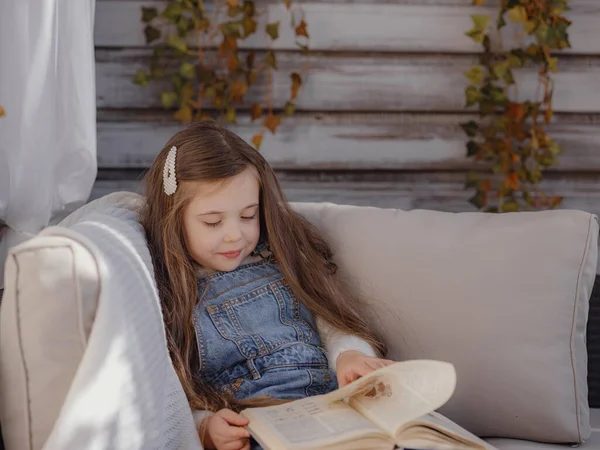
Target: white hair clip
[(169, 179)]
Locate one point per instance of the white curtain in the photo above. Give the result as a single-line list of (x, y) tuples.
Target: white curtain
[(48, 136)]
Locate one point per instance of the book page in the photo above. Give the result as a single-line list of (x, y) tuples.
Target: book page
[(399, 396), (311, 422), (449, 432)]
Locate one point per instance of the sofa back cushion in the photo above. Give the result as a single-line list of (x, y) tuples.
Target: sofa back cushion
[(503, 297)]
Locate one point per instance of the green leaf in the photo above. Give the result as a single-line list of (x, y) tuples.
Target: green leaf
[(168, 99), (476, 36), (473, 148), (289, 108), (231, 28), (558, 37), (475, 74), (554, 148), (542, 33), (172, 11), (187, 70), (516, 59), (472, 95), (249, 26), (148, 14), (177, 43), (500, 69), (141, 77), (470, 128), (272, 30), (510, 206), (151, 34), (471, 181), (531, 25), (480, 21), (498, 95), (157, 71)]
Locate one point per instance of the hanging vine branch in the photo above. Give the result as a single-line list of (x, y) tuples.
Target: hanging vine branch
[(510, 136), (196, 54)]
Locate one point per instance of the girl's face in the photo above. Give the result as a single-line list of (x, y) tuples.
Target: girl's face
[(221, 222)]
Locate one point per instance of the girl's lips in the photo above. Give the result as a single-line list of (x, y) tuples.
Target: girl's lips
[(231, 254)]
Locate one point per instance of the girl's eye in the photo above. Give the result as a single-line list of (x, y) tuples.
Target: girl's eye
[(212, 224), (249, 218)]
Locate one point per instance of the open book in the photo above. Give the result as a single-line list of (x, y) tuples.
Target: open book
[(392, 406)]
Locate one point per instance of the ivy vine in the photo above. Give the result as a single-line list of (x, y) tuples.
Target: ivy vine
[(196, 53), (510, 135)]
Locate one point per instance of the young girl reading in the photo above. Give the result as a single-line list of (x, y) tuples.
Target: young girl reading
[(253, 311)]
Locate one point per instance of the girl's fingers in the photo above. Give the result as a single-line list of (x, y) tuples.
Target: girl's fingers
[(233, 418), (236, 445), (239, 433)]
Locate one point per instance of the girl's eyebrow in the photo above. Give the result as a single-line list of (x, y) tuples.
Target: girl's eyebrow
[(222, 212)]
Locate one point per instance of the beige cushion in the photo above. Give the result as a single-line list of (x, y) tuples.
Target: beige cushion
[(593, 443), (503, 297), (51, 295)]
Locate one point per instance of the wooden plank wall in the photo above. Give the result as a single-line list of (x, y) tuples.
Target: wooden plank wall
[(378, 116)]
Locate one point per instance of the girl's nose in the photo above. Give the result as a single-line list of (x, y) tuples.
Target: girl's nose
[(233, 233)]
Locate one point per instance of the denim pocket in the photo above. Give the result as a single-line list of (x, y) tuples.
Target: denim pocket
[(253, 321)]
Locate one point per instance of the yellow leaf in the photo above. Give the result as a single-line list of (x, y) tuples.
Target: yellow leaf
[(232, 3), (238, 89), (2, 111), (530, 26), (255, 111), (478, 2), (257, 140), (230, 116), (553, 64), (184, 114), (517, 14), (187, 92), (272, 122)]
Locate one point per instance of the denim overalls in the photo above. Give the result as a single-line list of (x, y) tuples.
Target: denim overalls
[(255, 338)]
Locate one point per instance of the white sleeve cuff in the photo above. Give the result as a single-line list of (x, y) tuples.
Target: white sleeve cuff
[(337, 342), (199, 415)]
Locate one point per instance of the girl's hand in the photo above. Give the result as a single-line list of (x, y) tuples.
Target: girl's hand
[(224, 431), (353, 364)]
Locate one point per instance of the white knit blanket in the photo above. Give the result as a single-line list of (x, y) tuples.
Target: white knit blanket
[(125, 395)]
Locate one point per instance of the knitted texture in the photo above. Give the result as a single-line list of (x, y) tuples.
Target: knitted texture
[(126, 394)]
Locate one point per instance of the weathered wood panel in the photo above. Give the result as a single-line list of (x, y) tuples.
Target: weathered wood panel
[(436, 191), (367, 25), (362, 82), (342, 141)]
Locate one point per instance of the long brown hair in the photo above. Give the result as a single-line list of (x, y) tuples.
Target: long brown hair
[(208, 152)]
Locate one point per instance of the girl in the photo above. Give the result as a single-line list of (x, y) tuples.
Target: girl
[(253, 312)]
